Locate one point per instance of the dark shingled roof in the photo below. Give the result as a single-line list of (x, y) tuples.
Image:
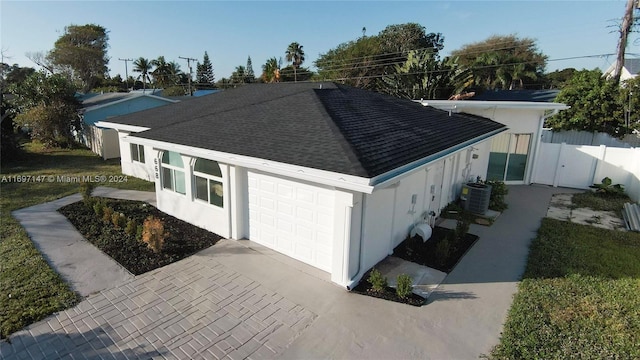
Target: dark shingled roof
[(318, 125), (517, 95)]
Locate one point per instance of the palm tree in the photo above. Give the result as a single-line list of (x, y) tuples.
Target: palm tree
[(239, 75), (295, 55), (160, 73), (142, 66), (173, 69), (270, 71)]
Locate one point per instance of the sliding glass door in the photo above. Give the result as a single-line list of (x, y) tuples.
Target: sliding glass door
[(508, 157)]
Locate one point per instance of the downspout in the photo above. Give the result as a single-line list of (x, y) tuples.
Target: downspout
[(353, 282), (538, 141)]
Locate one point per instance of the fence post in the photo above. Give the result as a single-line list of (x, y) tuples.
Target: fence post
[(559, 166), (599, 160)]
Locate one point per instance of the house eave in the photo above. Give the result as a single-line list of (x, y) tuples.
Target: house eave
[(121, 127), (388, 178), (452, 105), (328, 178)]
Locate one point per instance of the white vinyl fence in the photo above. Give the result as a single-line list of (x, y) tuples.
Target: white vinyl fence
[(574, 137), (578, 166)]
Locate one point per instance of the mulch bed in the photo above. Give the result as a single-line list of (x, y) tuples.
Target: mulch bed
[(364, 288), (426, 253), (184, 239), (417, 251)]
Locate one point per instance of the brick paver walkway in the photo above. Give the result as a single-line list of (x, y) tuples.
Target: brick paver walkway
[(193, 309)]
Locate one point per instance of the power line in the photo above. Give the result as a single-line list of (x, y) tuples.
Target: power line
[(126, 72), (189, 60)]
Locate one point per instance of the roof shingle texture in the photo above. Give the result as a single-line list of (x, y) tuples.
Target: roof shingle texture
[(318, 125)]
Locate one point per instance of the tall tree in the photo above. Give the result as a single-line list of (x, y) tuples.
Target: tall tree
[(422, 76), (83, 50), (595, 104), (295, 55), (47, 105), (239, 75), (166, 73), (625, 29), (357, 63), (630, 101), (142, 66), (271, 71), (557, 79), (503, 62), (398, 40), (204, 71), (250, 75), (364, 61)]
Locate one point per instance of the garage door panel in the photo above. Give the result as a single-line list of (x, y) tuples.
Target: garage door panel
[(285, 191), (292, 218), (286, 209), (304, 195), (325, 220), (304, 214), (285, 226), (325, 200), (267, 186)]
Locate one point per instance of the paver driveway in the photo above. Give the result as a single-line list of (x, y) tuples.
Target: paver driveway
[(235, 300), (193, 309)]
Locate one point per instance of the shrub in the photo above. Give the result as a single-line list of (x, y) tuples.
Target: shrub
[(118, 220), (377, 280), (404, 285), (606, 188), (443, 248), (86, 188), (139, 230), (131, 227), (498, 191), (462, 228), (153, 233), (107, 214), (98, 208)]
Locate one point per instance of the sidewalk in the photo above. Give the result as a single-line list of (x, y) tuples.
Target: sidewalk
[(80, 264)]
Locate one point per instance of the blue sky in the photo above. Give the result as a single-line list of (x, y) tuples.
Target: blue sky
[(231, 31)]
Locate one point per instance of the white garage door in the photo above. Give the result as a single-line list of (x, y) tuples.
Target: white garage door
[(293, 218)]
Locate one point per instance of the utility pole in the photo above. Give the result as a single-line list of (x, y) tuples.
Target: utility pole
[(126, 72), (189, 60), (625, 29)]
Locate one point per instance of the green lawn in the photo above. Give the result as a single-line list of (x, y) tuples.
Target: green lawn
[(579, 297), (29, 289)]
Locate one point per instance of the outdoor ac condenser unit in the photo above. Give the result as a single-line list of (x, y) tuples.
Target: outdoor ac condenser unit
[(476, 197)]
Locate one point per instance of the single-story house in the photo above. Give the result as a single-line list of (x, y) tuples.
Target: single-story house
[(630, 69), (330, 175), (512, 154), (104, 142)]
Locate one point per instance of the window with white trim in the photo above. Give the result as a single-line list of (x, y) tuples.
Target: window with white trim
[(173, 172), (208, 183), (137, 152)]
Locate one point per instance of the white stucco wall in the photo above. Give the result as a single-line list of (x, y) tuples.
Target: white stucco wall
[(133, 168), (519, 121), (187, 207)]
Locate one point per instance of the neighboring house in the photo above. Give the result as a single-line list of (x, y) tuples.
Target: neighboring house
[(330, 175), (630, 69), (512, 154), (104, 142)]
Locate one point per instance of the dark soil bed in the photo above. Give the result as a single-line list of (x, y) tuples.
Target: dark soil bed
[(428, 254), (365, 288), (183, 240)]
